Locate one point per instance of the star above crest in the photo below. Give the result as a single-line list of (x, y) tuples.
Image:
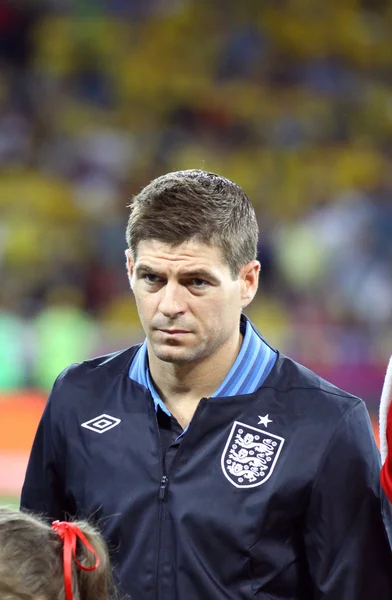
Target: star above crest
[(264, 420)]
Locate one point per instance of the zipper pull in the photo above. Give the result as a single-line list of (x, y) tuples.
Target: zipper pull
[(163, 487)]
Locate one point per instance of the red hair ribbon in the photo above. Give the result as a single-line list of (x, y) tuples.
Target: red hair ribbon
[(69, 533)]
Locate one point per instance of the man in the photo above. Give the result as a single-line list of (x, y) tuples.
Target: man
[(217, 468)]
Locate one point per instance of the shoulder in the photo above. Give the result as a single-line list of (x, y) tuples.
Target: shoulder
[(304, 388), (316, 412), (96, 371), (308, 390)]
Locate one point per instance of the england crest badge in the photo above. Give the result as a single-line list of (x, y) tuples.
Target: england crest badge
[(250, 455)]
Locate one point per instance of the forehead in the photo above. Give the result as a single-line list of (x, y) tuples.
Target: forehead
[(187, 254)]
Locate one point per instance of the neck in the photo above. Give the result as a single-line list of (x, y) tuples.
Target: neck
[(183, 385)]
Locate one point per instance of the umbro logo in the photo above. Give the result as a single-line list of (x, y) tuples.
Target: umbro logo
[(102, 423)]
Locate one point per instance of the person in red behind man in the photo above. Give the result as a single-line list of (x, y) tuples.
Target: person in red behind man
[(386, 433)]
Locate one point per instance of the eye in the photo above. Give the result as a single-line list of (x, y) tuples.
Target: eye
[(199, 283), (150, 278)]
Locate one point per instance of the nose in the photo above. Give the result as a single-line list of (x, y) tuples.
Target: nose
[(171, 303)]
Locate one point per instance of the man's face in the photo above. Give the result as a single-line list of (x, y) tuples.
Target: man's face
[(188, 303)]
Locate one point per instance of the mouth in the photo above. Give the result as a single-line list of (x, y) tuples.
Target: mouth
[(174, 331)]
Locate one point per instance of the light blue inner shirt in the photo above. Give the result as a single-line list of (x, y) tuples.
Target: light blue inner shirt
[(249, 371)]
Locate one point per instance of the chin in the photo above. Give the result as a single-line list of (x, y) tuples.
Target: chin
[(174, 355)]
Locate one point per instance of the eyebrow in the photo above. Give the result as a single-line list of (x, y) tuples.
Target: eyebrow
[(191, 274)]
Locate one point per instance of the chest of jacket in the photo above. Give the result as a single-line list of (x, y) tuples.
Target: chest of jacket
[(237, 488)]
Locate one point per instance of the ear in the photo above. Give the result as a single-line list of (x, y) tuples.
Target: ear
[(130, 263), (249, 280)]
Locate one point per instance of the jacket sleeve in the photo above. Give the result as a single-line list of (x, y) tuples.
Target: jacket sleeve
[(43, 490), (348, 552)]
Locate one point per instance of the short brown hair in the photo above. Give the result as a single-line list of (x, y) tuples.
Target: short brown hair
[(195, 205), (31, 561)]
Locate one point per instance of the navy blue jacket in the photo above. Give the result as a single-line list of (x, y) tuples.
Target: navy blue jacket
[(287, 511)]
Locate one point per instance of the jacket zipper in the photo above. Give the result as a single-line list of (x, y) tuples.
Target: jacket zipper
[(163, 487), (162, 497)]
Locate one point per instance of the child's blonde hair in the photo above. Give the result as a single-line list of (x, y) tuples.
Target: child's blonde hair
[(31, 561)]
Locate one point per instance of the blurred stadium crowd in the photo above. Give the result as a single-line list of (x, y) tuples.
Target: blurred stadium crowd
[(292, 99)]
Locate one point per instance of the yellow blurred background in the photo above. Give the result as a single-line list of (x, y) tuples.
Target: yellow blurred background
[(292, 99)]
